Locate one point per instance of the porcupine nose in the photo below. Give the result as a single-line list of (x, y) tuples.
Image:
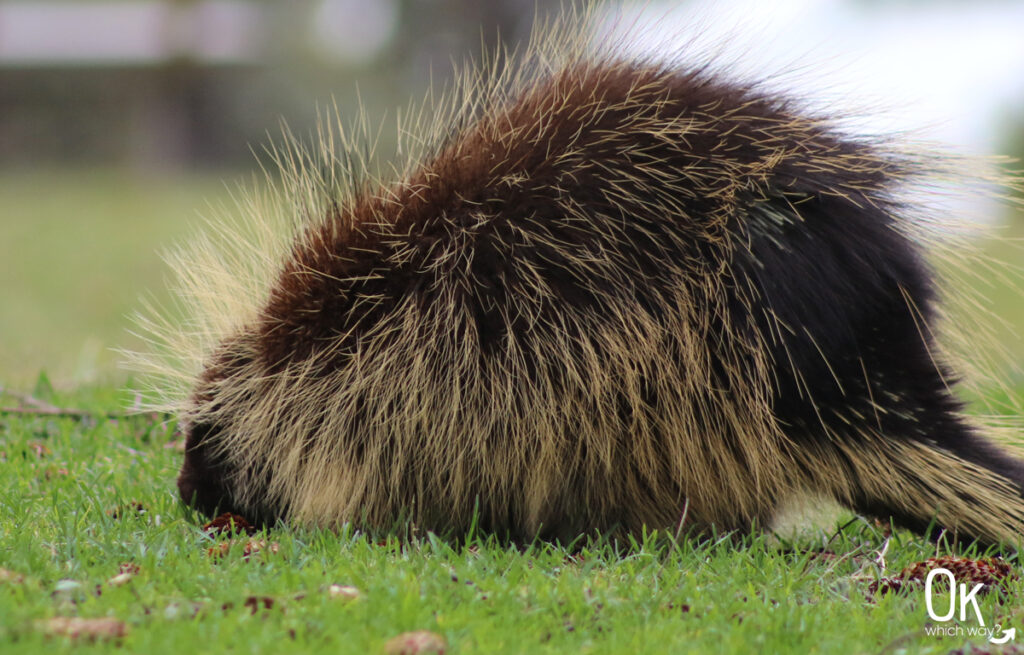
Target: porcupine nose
[(202, 480)]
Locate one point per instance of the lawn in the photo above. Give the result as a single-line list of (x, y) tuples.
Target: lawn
[(79, 250), (90, 526)]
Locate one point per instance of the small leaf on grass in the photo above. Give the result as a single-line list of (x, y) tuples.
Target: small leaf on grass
[(66, 586), (415, 643), (344, 592), (87, 629), (120, 579)]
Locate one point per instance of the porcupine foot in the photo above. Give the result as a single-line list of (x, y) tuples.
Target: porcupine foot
[(861, 391), (900, 448)]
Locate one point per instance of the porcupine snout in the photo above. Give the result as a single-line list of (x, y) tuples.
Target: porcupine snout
[(210, 479), (202, 482)]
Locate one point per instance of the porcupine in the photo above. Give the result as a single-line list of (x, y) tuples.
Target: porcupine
[(604, 293)]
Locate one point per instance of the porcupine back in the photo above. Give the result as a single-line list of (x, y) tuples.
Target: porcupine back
[(606, 294)]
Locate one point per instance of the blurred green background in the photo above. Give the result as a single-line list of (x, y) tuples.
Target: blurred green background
[(123, 124)]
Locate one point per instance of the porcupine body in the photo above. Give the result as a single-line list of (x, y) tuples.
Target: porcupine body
[(609, 293)]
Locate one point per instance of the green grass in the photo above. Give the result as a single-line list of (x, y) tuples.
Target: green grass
[(63, 477), (79, 250)]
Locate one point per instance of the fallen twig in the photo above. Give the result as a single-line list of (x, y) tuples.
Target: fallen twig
[(80, 413), (29, 405), (52, 411)]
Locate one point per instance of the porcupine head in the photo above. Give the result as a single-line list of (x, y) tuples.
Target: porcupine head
[(593, 292)]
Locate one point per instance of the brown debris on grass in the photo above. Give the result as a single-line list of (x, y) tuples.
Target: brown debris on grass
[(84, 629), (129, 567), (344, 592), (975, 649), (990, 573), (230, 524), (416, 643), (250, 548), (127, 509), (52, 472), (126, 572), (39, 449), (256, 603)]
